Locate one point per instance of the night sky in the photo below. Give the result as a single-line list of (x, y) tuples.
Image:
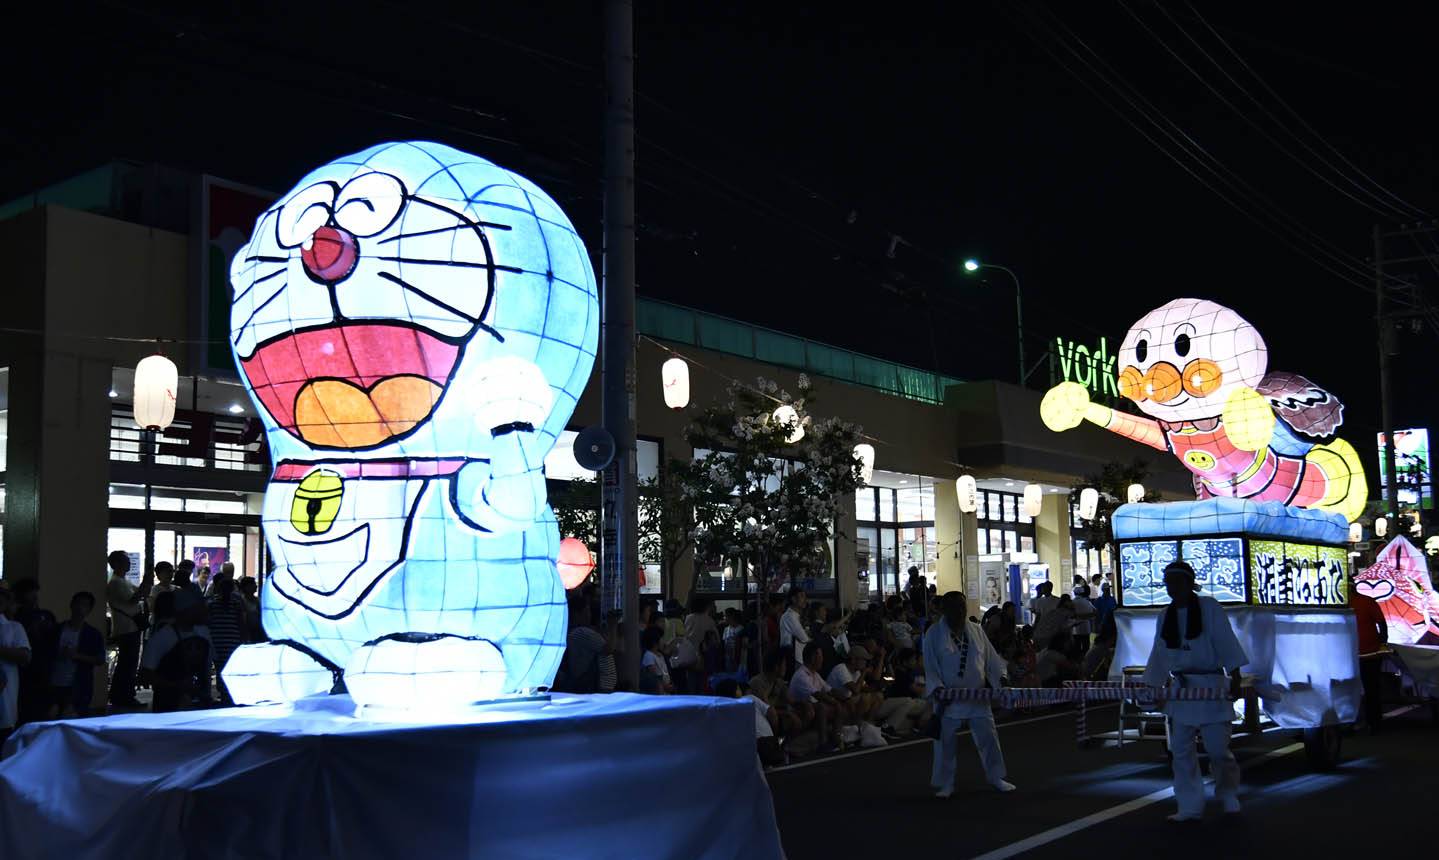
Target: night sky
[(781, 150)]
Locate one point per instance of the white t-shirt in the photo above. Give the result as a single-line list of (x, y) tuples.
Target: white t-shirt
[(63, 673), (1040, 605), (12, 635), (652, 662), (805, 683), (839, 676), (762, 728)]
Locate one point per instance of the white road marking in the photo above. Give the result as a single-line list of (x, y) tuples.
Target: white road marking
[(902, 744), (1057, 833)]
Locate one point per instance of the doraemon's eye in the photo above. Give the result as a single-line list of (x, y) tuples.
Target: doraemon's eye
[(1181, 344), (370, 203), (303, 214), (1141, 351)]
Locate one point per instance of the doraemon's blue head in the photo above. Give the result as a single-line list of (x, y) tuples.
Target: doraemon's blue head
[(387, 300)]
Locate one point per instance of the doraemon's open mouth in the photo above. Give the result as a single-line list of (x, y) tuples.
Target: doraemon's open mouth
[(356, 385)]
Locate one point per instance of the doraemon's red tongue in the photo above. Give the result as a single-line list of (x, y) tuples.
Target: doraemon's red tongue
[(365, 365)]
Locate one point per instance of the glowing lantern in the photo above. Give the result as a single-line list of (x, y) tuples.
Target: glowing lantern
[(1356, 533), (968, 494), (1381, 526), (1033, 500), (156, 381), (1088, 503), (675, 375), (574, 562), (1417, 530), (1136, 493), (865, 454), (415, 326), (786, 415)]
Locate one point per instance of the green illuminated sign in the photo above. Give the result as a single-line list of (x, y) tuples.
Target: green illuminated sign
[(1094, 369)]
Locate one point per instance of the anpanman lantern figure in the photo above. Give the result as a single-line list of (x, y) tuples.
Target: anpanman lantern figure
[(415, 325), (1200, 371)]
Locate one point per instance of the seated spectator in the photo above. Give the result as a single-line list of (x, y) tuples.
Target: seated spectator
[(176, 661), (580, 668), (1055, 664), (654, 668), (766, 722), (810, 691), (847, 683), (900, 630), (1021, 660), (770, 687), (905, 709), (1101, 654), (79, 649)]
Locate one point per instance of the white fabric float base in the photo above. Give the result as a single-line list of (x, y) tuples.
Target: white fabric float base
[(1305, 661), (620, 775)]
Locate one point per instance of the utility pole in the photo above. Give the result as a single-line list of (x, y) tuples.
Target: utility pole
[(619, 548), (1386, 345)]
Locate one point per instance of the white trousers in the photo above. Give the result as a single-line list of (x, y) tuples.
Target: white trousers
[(1188, 784), (900, 713), (946, 749)]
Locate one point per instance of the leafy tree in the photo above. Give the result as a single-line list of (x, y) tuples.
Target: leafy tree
[(1112, 482)]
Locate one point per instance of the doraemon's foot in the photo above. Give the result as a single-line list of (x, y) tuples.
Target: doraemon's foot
[(275, 672), (408, 670)]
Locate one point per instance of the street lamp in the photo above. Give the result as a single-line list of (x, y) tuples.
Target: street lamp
[(971, 266)]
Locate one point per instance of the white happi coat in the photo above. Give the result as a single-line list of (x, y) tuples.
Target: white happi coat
[(941, 667), (1217, 648)]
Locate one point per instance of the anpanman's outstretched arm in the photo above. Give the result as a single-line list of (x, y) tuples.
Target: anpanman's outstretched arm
[(1067, 405)]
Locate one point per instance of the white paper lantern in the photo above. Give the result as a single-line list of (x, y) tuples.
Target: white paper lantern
[(1417, 530), (786, 415), (1136, 493), (865, 453), (1088, 503), (1356, 533), (156, 382), (675, 374), (968, 494), (1033, 500), (1381, 526)]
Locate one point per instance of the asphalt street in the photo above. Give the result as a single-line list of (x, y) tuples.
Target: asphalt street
[(1111, 801)]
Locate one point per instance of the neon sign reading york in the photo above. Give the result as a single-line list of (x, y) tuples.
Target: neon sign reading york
[(415, 325), (1094, 370)]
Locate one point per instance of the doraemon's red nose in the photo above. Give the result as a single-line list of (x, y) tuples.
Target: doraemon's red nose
[(331, 255)]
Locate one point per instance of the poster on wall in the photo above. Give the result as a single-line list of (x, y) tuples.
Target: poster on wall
[(209, 556), (136, 573), (1411, 461), (228, 212)]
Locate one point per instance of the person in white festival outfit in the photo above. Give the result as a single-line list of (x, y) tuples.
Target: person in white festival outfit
[(957, 654), (1193, 647)]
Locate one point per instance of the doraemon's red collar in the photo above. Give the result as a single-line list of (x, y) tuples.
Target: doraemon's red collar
[(295, 470)]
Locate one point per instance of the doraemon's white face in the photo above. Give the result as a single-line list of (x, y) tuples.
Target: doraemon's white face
[(1181, 361), (373, 300)]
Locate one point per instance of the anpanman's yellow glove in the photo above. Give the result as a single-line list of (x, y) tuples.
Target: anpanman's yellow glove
[(1066, 406), (1248, 419)]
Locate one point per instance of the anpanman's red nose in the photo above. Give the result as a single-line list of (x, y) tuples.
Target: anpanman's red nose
[(331, 256)]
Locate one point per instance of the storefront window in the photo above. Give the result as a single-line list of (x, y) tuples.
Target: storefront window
[(886, 505), (864, 504)]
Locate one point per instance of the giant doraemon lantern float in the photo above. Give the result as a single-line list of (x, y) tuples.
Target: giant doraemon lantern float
[(415, 325), (1276, 491)]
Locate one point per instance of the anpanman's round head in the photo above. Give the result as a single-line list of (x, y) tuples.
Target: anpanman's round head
[(1182, 361)]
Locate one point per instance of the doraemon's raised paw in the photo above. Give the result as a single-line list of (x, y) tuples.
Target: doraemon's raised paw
[(408, 670), (275, 672)]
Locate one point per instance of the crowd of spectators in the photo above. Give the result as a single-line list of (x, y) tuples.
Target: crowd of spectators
[(173, 634)]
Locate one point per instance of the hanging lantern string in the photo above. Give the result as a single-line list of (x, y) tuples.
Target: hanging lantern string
[(109, 338), (732, 381)]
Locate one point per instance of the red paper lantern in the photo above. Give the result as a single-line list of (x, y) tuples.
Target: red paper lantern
[(574, 562)]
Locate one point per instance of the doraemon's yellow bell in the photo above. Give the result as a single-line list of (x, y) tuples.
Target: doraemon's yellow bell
[(317, 502)]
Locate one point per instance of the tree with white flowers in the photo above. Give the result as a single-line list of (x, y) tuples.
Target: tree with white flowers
[(768, 492)]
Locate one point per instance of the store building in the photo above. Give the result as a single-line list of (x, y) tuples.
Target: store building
[(105, 262)]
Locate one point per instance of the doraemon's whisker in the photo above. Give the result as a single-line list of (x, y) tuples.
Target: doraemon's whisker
[(427, 297), (462, 216), (432, 232), (462, 263), (264, 259), (261, 279), (239, 332)]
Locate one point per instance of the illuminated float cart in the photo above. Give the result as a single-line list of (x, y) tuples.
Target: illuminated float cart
[(1280, 572)]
